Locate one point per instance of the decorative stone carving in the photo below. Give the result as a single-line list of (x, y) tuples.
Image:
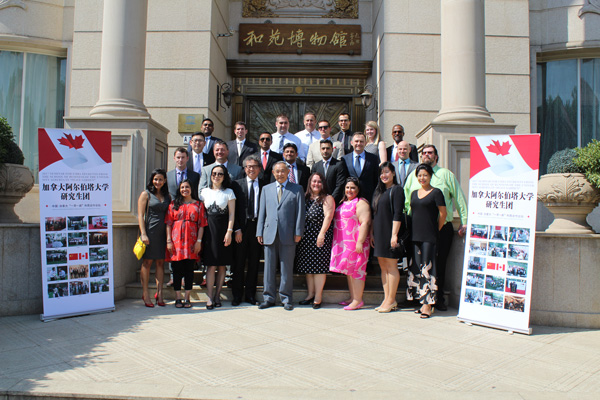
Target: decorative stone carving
[(15, 181), (590, 6), (12, 3), (570, 197), (300, 8)]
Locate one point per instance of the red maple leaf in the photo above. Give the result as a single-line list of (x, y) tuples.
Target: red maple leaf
[(70, 142), (499, 149)]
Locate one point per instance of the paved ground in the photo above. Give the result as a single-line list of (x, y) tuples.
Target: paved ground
[(246, 353)]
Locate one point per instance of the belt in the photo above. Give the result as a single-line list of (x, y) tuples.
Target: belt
[(251, 219)]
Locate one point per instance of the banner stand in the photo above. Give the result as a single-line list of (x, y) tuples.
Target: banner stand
[(492, 325), (55, 317)]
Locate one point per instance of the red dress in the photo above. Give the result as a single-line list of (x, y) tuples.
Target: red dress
[(185, 223)]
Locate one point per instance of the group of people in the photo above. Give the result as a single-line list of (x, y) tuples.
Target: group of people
[(315, 203)]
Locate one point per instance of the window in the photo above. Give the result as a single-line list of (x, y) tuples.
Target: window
[(32, 96)]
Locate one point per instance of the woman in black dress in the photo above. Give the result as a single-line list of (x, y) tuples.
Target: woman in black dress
[(313, 253), (387, 217), (428, 210), (152, 207)]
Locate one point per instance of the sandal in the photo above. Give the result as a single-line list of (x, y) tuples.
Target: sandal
[(425, 316), (187, 304), (178, 303)]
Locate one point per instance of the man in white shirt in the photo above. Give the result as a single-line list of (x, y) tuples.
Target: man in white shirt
[(309, 135), (314, 150), (283, 136)]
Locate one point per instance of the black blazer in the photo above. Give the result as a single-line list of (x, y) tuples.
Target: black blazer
[(208, 159), (413, 153), (346, 139), (248, 148), (369, 175), (303, 174), (266, 175), (335, 178), (240, 188)]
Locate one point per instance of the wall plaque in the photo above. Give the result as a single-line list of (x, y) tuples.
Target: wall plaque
[(300, 38)]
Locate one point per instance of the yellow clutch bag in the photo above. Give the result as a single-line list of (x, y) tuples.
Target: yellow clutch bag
[(139, 248)]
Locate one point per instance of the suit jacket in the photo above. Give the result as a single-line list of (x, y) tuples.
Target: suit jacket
[(248, 148), (235, 172), (369, 176), (314, 152), (208, 148), (414, 155), (303, 174), (241, 204), (346, 139), (266, 175), (335, 178), (192, 176), (207, 158), (411, 168), (284, 218)]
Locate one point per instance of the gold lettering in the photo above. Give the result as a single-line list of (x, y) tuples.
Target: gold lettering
[(275, 38), (253, 38), (317, 40), (296, 38), (339, 39)]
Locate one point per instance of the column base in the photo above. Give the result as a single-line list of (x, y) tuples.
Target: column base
[(464, 114), (119, 108)]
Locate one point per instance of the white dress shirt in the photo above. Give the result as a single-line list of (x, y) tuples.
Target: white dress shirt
[(287, 138)]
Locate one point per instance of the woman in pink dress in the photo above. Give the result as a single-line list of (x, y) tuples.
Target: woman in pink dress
[(350, 250)]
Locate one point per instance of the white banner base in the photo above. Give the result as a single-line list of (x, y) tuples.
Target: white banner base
[(491, 325), (75, 314)]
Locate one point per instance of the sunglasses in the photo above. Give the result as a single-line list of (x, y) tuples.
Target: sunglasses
[(324, 127), (217, 174), (265, 139)]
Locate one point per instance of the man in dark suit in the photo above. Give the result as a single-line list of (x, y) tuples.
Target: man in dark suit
[(405, 166), (247, 247), (240, 148), (221, 152), (280, 227), (299, 172), (335, 171), (181, 172), (268, 158), (398, 136), (208, 127), (198, 159), (363, 165), (345, 134)]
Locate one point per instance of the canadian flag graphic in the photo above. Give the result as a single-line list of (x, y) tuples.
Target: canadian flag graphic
[(77, 149), (505, 155), (78, 256)]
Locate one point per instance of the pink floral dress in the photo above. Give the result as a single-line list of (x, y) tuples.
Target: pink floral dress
[(344, 259), (185, 223)]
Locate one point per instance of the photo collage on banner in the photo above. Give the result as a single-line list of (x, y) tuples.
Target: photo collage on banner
[(498, 265), (76, 221)]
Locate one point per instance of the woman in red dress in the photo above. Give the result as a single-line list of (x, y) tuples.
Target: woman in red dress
[(185, 219)]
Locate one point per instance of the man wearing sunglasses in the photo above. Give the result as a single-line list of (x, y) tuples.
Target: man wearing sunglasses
[(314, 150), (398, 136), (268, 157)]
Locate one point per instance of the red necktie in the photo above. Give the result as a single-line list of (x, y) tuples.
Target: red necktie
[(291, 176), (264, 160)]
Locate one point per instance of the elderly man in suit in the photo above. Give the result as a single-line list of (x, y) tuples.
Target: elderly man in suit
[(181, 172), (280, 227), (268, 157), (398, 136), (363, 165), (314, 150), (333, 170), (247, 248), (221, 151), (405, 165), (198, 159), (241, 147)]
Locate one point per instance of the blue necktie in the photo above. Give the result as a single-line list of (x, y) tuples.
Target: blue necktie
[(357, 165)]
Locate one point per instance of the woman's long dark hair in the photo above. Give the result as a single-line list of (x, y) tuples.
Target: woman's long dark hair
[(356, 182), (179, 198), (324, 192), (380, 189), (226, 179), (164, 190)]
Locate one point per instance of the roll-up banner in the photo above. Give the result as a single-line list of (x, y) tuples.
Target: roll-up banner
[(498, 263), (75, 181)]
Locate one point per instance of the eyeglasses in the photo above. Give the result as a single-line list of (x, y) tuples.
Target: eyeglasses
[(211, 125), (217, 174), (196, 141), (265, 139), (397, 131), (252, 166), (428, 152), (324, 127)]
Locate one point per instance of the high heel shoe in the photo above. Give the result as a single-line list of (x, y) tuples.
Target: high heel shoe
[(149, 305), (307, 302), (159, 303), (393, 307), (349, 308)]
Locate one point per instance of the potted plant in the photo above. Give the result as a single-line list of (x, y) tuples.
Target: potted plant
[(566, 192), (15, 178)]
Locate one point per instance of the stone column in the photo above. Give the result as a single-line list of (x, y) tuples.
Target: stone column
[(463, 62), (123, 60)]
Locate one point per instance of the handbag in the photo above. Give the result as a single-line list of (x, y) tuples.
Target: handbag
[(139, 248), (403, 235)]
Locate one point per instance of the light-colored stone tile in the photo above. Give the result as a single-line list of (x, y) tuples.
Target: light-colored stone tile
[(176, 88), (407, 91), (88, 16), (87, 48), (179, 15), (507, 93), (507, 55), (86, 96), (177, 50), (410, 53), (506, 18)]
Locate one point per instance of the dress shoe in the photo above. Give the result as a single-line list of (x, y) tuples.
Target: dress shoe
[(266, 304), (350, 308), (393, 307), (288, 306), (236, 302), (316, 306), (149, 305), (344, 303), (306, 302), (251, 300)]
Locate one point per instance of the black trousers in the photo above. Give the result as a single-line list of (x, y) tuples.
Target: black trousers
[(248, 251), (443, 247), (183, 269)]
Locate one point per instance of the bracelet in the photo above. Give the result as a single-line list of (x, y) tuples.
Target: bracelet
[(229, 230), (199, 241), (169, 241)]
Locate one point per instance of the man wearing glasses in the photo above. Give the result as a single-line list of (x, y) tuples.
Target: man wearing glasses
[(314, 150), (268, 158), (398, 136), (198, 159)]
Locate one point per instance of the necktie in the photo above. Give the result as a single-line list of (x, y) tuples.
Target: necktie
[(179, 177), (198, 164), (207, 146), (357, 165), (251, 201), (291, 176), (326, 166), (239, 149), (279, 193), (402, 171), (264, 160), (281, 144), (396, 154)]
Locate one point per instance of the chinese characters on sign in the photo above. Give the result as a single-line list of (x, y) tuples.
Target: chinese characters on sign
[(292, 38)]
